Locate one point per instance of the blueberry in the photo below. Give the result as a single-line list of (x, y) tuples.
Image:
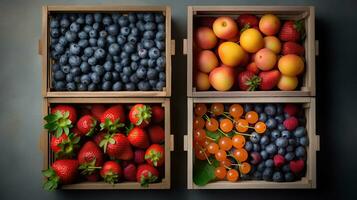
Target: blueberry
[(290, 148), (72, 17), (304, 141), (154, 53), (113, 29), (269, 163), (162, 76), (264, 140), (263, 117), (75, 27), (144, 62), (89, 19), (108, 66), (87, 29), (271, 123), (99, 53), (118, 67), (123, 21), (159, 18), (71, 86), (59, 75), (143, 86), (55, 55), (60, 85), (160, 45), (116, 58), (125, 61), (134, 57), (59, 48), (82, 35), (83, 43), (256, 147), (82, 87), (64, 23), (300, 131), (267, 174), (101, 42), (124, 78), (140, 25), (279, 109), (109, 58), (111, 39), (161, 27), (160, 62), (292, 141), (93, 33), (92, 87), (261, 167), (134, 31), (281, 127), (134, 78), (74, 61), (148, 35), (141, 72), (88, 51), (289, 177), (117, 86), (69, 77), (248, 146), (148, 44), (127, 71), (129, 48), (74, 49), (130, 86), (151, 74), (153, 83), (280, 118), (150, 26), (254, 137), (99, 69), (115, 76), (285, 168), (160, 36), (278, 177), (275, 134), (77, 79), (132, 17), (281, 151), (107, 20), (271, 149), (270, 109), (107, 76), (85, 79), (281, 142), (63, 60), (85, 68), (149, 17), (257, 175), (107, 85), (286, 134), (264, 155), (92, 61), (134, 66), (115, 17), (121, 39), (247, 107), (96, 26), (55, 33), (103, 33), (80, 19), (63, 41), (289, 156), (300, 151), (75, 71), (92, 42), (132, 39), (125, 31), (95, 77), (98, 17)]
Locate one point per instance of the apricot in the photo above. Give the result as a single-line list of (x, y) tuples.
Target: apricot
[(288, 83), (269, 24), (207, 61), (231, 54), (202, 81), (291, 65), (265, 59), (251, 40), (205, 38), (272, 43)]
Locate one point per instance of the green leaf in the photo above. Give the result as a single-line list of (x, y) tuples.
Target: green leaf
[(59, 132), (66, 130), (213, 135), (66, 114), (203, 173)]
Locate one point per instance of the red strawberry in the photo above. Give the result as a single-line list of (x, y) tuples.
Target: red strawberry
[(138, 138), (130, 172), (117, 146), (252, 67), (291, 109), (279, 160), (156, 134), (64, 146), (269, 79), (86, 125), (139, 156), (158, 114), (140, 115), (90, 157), (248, 81), (291, 123), (112, 119), (293, 48), (155, 155), (60, 172), (97, 110), (111, 172), (297, 166), (61, 119), (94, 177), (99, 137), (246, 21), (291, 31), (146, 174)]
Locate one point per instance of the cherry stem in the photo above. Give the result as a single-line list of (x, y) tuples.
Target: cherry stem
[(209, 162), (210, 138), (219, 130), (230, 118), (245, 134), (206, 117), (225, 166)]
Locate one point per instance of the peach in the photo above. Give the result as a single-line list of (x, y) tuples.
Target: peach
[(231, 54), (225, 27), (269, 24), (265, 59), (251, 40), (287, 83), (207, 61), (205, 38), (272, 43), (202, 81), (291, 65), (222, 78)]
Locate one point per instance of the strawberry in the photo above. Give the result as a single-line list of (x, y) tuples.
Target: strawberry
[(99, 137), (291, 109), (86, 125), (279, 160), (246, 21), (97, 110), (130, 172), (293, 48), (291, 123), (140, 115), (252, 67), (117, 146), (155, 155), (60, 172), (111, 172), (64, 146), (112, 119), (297, 166), (90, 157), (156, 134), (158, 114), (248, 81), (139, 156), (291, 31), (146, 174), (61, 119), (94, 177), (269, 79), (138, 138)]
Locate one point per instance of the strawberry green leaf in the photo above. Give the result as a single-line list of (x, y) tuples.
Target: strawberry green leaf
[(203, 173)]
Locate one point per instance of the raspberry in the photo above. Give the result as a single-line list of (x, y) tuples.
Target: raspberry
[(291, 123), (291, 109)]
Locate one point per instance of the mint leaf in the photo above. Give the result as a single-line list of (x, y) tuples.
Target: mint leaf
[(203, 172)]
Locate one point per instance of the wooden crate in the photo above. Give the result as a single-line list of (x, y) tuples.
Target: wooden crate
[(48, 156), (46, 60), (283, 12), (309, 181)]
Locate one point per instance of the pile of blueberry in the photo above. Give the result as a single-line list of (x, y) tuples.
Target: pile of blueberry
[(108, 51), (280, 154)]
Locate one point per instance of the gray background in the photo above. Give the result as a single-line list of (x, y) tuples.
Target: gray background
[(20, 105)]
